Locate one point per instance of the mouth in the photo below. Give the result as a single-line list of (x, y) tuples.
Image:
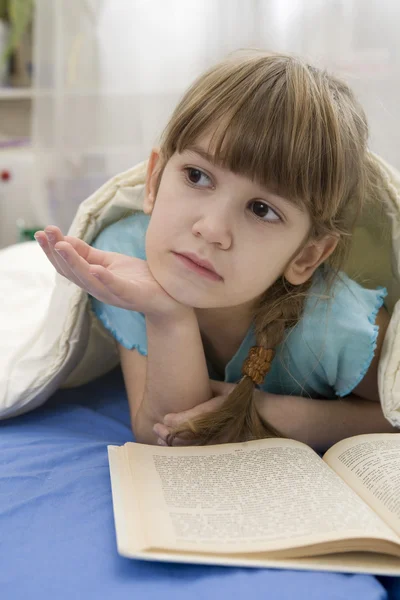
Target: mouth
[(198, 265)]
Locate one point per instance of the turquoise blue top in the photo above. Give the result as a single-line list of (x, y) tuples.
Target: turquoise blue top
[(326, 355)]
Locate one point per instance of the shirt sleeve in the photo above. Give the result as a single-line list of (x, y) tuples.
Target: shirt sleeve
[(126, 237), (334, 343)]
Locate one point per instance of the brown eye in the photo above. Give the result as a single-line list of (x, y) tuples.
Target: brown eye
[(194, 176), (264, 212)]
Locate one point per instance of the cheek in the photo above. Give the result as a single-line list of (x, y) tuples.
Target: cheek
[(170, 221), (161, 238), (167, 207), (161, 224), (261, 264), (255, 279), (155, 241)]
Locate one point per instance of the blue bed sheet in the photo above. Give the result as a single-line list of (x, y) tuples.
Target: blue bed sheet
[(57, 538)]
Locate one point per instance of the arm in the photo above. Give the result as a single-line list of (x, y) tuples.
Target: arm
[(318, 423), (322, 423), (176, 374), (174, 377)]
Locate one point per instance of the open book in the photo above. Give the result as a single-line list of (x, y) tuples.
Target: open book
[(271, 503)]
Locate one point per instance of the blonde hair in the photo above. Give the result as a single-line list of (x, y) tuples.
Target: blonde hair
[(300, 131)]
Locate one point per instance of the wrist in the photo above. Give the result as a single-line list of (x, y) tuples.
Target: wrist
[(181, 315), (280, 411)]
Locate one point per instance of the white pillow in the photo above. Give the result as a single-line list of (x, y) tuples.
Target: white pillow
[(27, 280)]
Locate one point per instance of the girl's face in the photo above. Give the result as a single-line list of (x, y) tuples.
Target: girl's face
[(247, 235)]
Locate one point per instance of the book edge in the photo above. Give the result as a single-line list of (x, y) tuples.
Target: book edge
[(349, 563), (126, 522)]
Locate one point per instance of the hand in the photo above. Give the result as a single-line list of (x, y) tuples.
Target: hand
[(110, 277), (220, 391)]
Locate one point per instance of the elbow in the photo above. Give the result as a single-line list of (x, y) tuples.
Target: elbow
[(142, 423), (143, 431), (143, 437)]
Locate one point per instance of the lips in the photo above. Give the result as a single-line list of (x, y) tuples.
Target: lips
[(200, 262), (198, 265)]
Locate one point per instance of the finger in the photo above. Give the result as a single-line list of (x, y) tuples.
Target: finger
[(70, 254), (60, 255), (164, 434), (47, 241), (86, 262), (54, 235), (180, 441), (183, 439), (89, 277), (93, 278), (92, 255), (162, 431)]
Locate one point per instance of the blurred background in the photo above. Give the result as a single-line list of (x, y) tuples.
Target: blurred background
[(86, 86)]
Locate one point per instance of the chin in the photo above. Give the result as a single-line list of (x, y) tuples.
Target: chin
[(187, 294), (185, 290), (188, 297)]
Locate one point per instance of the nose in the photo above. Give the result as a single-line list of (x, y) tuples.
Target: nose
[(215, 227)]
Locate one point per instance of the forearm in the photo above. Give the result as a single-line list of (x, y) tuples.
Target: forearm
[(177, 377), (322, 423)]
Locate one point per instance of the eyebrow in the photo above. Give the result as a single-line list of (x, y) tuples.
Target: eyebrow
[(212, 160)]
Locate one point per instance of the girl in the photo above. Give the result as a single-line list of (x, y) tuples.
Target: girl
[(233, 318)]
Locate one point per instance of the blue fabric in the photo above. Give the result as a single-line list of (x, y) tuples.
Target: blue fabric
[(325, 356), (330, 350), (57, 536), (127, 237)]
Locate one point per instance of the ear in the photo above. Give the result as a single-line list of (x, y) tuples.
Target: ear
[(315, 252), (151, 177)]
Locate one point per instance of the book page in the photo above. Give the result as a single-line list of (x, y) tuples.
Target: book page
[(371, 466), (264, 495)]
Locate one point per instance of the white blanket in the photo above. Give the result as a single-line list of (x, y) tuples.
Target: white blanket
[(50, 337)]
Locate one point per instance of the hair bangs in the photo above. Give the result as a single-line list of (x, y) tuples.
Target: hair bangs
[(267, 121)]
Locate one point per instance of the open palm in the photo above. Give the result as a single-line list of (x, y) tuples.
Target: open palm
[(110, 277)]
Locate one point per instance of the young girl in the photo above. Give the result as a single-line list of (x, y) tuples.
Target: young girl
[(233, 318)]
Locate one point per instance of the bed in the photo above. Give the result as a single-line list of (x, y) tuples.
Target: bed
[(57, 535)]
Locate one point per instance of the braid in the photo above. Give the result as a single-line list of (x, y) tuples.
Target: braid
[(237, 419)]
